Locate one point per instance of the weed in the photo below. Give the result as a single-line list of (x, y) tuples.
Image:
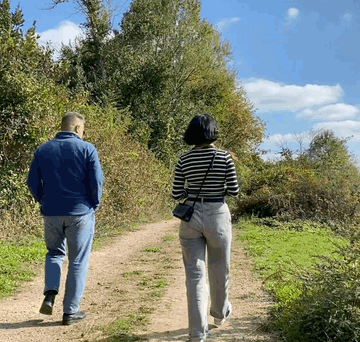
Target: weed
[(168, 238), (160, 283), (128, 324), (144, 282), (152, 249), (131, 274)]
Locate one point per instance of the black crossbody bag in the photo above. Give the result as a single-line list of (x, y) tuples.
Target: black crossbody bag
[(184, 211)]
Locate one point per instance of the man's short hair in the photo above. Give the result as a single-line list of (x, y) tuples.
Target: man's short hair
[(69, 119), (202, 129)]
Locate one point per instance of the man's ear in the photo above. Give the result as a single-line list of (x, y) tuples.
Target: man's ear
[(77, 128)]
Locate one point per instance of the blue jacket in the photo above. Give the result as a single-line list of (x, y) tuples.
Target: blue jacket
[(65, 176)]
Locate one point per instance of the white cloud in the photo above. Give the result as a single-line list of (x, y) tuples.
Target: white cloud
[(271, 96), (347, 17), (65, 33), (280, 138), (334, 112), (292, 13), (342, 129), (224, 23)]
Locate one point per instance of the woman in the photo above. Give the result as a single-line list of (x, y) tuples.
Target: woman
[(210, 224)]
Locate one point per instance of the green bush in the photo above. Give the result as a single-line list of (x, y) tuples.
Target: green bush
[(322, 186), (329, 307), (136, 184)]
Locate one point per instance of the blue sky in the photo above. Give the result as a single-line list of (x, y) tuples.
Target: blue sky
[(295, 59)]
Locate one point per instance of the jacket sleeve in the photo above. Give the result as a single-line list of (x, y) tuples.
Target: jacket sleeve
[(34, 180), (95, 175)]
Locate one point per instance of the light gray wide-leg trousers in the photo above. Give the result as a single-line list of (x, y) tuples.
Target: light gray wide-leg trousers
[(209, 228)]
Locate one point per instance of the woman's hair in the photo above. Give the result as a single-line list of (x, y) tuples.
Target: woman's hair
[(202, 129)]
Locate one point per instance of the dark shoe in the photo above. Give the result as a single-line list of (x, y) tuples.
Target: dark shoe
[(73, 318), (47, 305)]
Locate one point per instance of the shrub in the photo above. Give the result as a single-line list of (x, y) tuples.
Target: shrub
[(324, 186), (136, 184), (329, 307)]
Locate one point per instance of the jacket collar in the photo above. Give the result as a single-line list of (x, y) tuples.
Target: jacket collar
[(66, 135)]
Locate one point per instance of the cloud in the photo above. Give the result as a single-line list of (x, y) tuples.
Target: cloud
[(342, 129), (292, 13), (347, 17), (64, 33), (334, 112), (280, 138), (269, 96), (224, 23)]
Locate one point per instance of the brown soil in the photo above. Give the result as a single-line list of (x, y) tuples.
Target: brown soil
[(121, 281)]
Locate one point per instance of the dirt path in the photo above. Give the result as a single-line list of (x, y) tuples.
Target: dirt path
[(112, 290)]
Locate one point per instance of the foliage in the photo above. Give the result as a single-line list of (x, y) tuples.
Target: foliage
[(31, 106), (328, 309), (281, 250), (165, 65), (313, 276), (85, 59), (136, 184), (30, 103), (322, 183), (17, 257)]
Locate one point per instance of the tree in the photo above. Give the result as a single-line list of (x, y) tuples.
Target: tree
[(328, 151), (30, 103), (86, 69), (166, 65)]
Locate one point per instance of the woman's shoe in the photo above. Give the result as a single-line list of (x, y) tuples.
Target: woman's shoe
[(220, 321)]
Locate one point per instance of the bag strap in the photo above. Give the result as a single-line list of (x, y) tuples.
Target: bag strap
[(207, 171)]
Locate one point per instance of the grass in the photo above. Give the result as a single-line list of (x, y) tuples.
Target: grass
[(18, 261), (154, 249), (127, 324), (282, 251), (169, 238)]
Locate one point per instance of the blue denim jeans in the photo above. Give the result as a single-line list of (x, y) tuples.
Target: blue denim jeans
[(209, 229), (77, 233)]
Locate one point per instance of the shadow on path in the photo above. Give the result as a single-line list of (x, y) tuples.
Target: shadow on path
[(238, 329), (34, 323)]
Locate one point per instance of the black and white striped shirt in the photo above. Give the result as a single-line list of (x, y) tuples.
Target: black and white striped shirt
[(191, 169)]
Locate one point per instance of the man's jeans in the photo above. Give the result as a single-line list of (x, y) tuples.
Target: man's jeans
[(77, 232), (209, 227)]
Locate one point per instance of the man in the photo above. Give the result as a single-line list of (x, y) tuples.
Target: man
[(65, 177)]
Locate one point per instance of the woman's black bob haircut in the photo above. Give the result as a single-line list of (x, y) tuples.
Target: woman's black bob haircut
[(202, 129)]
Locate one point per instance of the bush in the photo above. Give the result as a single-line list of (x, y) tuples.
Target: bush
[(329, 307), (309, 186), (136, 184)]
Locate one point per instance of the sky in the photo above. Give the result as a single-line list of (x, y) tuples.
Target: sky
[(296, 60)]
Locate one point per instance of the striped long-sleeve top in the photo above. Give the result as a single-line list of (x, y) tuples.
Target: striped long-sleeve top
[(191, 169)]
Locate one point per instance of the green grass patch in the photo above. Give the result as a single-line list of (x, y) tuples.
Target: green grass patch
[(17, 261), (281, 252), (131, 274), (169, 238), (152, 249), (128, 324), (122, 329)]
